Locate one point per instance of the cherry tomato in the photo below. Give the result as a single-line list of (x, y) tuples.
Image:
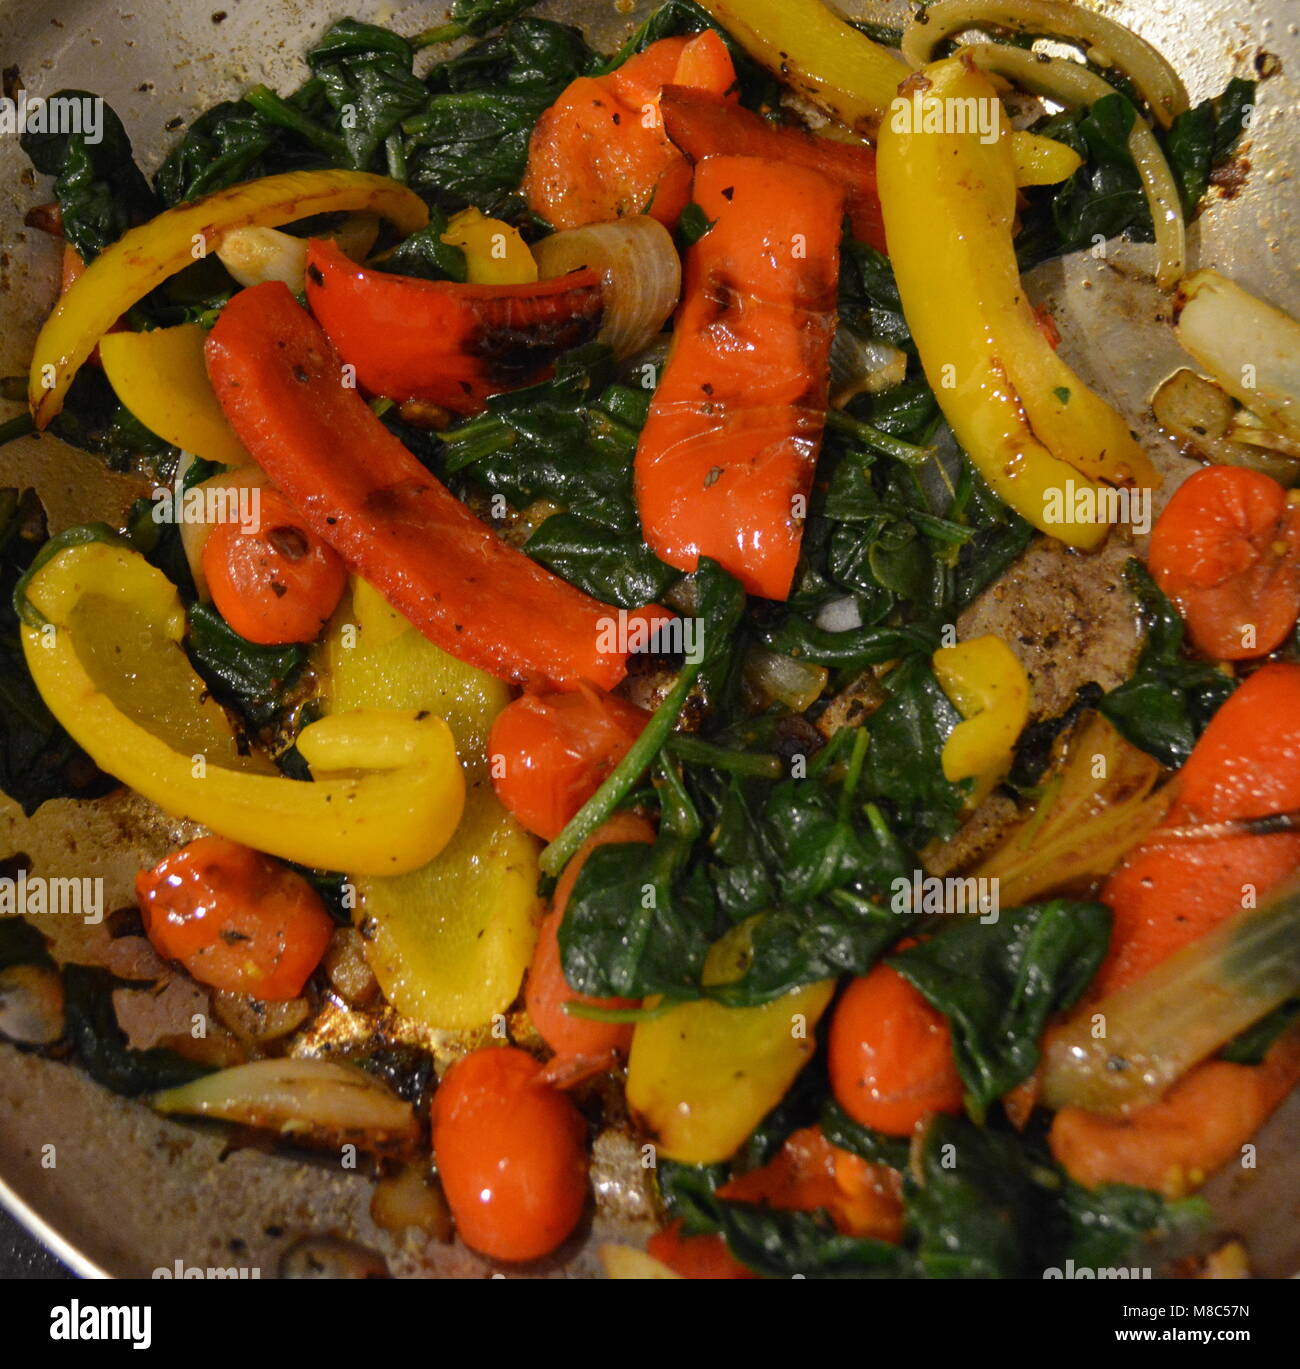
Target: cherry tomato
[(1226, 550), (890, 1055), (236, 919), (277, 585), (695, 1257), (550, 752), (511, 1155)]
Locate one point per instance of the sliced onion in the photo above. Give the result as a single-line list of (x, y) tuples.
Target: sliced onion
[(1201, 415), (639, 268), (1080, 826), (356, 236), (254, 1022), (194, 535), (309, 1102), (839, 615), (255, 255), (782, 679), (1251, 429), (1248, 346), (1109, 43), (863, 366), (1071, 83), (411, 1200), (1178, 1013)]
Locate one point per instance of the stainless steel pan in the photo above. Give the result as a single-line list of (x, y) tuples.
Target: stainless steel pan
[(125, 1192)]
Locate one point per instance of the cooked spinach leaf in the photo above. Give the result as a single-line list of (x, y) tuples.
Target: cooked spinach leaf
[(611, 564), (1251, 1046), (974, 1211), (641, 918), (100, 190), (781, 1245), (873, 1146), (1201, 138), (903, 768), (1108, 1225), (256, 681), (94, 419), (227, 144), (474, 18), (998, 984), (425, 255), (22, 944), (468, 144), (38, 760), (367, 75), (1104, 199), (1169, 699)]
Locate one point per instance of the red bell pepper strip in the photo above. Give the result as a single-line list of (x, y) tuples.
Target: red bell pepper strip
[(1246, 765), (443, 342), (726, 459), (356, 487), (704, 126), (1226, 550), (600, 151)]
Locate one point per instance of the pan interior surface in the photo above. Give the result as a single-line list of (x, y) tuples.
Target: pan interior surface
[(128, 1192)]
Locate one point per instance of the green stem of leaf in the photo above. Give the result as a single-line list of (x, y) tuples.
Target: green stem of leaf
[(16, 427), (598, 808), (593, 1012), (875, 440), (279, 111), (443, 33), (756, 765)]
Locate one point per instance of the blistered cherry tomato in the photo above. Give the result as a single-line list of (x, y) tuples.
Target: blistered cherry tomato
[(549, 753), (511, 1154), (236, 919), (890, 1055), (278, 584)]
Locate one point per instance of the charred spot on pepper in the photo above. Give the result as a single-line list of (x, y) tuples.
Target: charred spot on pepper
[(515, 354)]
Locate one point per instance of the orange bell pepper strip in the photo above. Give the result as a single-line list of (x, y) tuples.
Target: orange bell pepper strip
[(1174, 1145), (1169, 893), (600, 151), (726, 458), (702, 126), (443, 342), (809, 1174), (695, 1257), (702, 62), (357, 488)]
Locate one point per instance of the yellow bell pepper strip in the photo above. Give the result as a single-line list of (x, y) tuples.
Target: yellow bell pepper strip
[(160, 376), (990, 689), (816, 53), (102, 633), (1036, 433), (701, 1076), (495, 253), (1041, 161), (448, 942), (146, 256)]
